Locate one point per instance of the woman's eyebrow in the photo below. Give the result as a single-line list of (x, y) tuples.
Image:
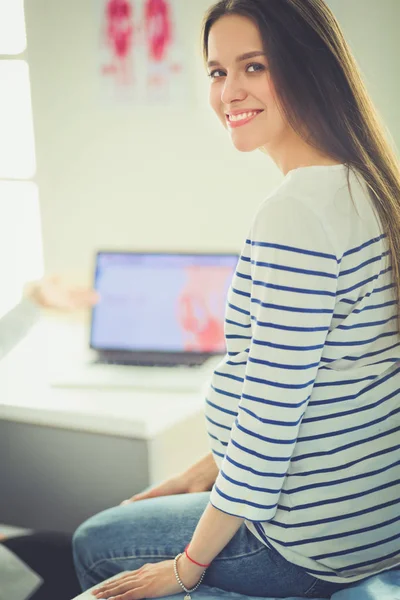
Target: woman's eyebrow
[(246, 56)]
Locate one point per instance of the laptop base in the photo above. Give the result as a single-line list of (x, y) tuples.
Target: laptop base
[(96, 375), (151, 359)]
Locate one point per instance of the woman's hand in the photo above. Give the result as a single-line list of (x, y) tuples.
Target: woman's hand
[(150, 581), (179, 484), (199, 478)]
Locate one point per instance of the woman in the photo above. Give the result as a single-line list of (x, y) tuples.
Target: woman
[(303, 412)]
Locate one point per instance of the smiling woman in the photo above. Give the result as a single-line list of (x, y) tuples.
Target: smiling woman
[(301, 494), (241, 91)]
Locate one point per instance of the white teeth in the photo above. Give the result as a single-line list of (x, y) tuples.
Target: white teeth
[(242, 116)]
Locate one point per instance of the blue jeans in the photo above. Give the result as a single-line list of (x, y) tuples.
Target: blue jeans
[(124, 538)]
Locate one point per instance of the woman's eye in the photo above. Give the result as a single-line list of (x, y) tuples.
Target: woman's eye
[(216, 73), (255, 67)]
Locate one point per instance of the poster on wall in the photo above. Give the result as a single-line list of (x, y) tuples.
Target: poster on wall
[(141, 53)]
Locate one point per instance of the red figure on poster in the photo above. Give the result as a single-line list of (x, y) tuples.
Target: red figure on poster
[(119, 37), (158, 28)]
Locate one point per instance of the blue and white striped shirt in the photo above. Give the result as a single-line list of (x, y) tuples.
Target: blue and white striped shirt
[(303, 413)]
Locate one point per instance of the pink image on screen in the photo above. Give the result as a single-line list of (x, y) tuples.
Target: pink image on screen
[(201, 308)]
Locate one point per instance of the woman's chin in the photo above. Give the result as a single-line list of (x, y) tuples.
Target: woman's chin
[(245, 145)]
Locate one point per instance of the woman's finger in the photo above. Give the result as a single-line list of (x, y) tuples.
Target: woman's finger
[(137, 594), (117, 588), (141, 496), (109, 586)]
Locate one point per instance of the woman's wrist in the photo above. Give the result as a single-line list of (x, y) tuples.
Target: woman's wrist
[(188, 572)]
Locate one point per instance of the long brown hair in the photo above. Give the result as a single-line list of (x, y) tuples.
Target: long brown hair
[(324, 99)]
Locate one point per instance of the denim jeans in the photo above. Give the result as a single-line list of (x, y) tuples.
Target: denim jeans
[(124, 538)]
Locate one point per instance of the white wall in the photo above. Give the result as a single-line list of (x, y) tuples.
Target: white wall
[(156, 177)]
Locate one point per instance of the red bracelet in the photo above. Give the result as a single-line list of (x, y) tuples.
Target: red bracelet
[(193, 561)]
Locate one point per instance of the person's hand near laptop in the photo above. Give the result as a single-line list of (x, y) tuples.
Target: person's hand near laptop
[(52, 292), (200, 477)]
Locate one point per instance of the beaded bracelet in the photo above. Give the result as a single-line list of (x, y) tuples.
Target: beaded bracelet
[(185, 589)]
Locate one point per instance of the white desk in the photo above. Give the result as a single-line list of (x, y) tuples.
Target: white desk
[(166, 430)]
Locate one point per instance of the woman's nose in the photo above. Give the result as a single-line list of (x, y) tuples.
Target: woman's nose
[(232, 90)]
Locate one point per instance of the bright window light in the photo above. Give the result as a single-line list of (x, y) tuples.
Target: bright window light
[(21, 253), (12, 27), (17, 149)]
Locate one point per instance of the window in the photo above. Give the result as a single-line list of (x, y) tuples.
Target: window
[(12, 27), (21, 256), (17, 148)]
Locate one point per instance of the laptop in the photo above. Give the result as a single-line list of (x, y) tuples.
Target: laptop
[(159, 323)]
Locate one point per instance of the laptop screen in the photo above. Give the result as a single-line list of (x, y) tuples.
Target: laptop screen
[(161, 302)]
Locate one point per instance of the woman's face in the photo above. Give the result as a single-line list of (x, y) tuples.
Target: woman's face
[(241, 90)]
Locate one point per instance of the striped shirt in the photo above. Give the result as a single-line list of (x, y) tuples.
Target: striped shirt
[(303, 412)]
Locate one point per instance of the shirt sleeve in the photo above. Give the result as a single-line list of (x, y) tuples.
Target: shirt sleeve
[(294, 274), (15, 325)]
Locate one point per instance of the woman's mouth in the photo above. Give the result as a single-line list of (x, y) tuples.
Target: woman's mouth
[(239, 119)]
